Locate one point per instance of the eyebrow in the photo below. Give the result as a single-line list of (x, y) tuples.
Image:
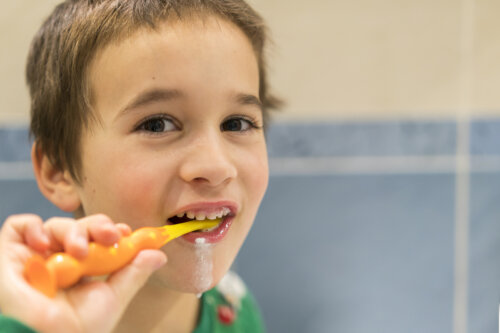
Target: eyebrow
[(246, 99), (152, 96), (158, 95)]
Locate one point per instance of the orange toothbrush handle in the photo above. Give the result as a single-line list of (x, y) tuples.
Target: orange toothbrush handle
[(61, 270), (103, 260)]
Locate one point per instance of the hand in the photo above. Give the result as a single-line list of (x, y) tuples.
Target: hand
[(89, 306)]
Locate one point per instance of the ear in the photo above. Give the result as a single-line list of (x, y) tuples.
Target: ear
[(56, 185)]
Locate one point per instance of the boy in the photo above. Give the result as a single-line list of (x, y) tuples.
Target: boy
[(144, 113)]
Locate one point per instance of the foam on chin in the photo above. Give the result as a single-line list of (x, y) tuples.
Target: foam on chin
[(204, 264)]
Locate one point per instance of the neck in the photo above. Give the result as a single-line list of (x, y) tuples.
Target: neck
[(156, 308)]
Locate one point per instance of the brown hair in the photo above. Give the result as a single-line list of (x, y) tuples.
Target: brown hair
[(68, 40)]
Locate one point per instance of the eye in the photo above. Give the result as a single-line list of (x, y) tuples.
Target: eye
[(157, 124), (238, 124)]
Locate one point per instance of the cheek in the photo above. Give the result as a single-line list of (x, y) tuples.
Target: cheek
[(256, 175), (134, 180), (126, 192), (133, 186)]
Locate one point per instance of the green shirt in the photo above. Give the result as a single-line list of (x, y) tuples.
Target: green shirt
[(9, 325), (227, 308), (221, 313)]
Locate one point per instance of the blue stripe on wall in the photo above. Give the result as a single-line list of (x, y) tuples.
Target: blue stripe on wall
[(362, 139), (23, 196), (394, 138), (485, 137), (14, 144)]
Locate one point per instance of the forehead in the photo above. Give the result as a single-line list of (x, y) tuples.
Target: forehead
[(180, 54)]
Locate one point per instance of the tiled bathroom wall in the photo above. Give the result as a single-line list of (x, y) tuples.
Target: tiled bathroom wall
[(371, 223), (357, 230)]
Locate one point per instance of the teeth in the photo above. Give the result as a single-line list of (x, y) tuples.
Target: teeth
[(202, 216), (212, 216)]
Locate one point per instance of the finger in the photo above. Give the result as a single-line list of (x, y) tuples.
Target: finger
[(15, 226), (59, 228), (35, 236), (102, 229), (27, 228), (13, 237), (73, 236), (127, 281), (76, 240), (124, 229), (112, 297)]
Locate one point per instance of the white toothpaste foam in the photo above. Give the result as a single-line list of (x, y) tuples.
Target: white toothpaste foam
[(200, 240), (204, 264)]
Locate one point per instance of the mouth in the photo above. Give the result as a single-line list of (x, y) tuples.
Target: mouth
[(224, 215)]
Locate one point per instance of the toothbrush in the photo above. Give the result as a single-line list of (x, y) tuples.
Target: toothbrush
[(61, 270)]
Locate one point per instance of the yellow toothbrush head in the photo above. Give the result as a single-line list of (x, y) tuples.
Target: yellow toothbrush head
[(177, 230)]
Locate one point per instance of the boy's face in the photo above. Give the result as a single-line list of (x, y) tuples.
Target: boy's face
[(177, 108)]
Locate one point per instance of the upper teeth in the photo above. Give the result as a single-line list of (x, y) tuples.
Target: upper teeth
[(202, 215)]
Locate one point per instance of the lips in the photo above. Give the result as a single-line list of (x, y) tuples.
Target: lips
[(224, 210)]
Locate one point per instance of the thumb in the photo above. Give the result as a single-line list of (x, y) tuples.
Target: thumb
[(115, 294), (127, 281)]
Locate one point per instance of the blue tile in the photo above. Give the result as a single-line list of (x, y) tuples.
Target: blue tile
[(485, 137), (484, 255), (14, 144), (391, 138), (354, 254), (23, 196)]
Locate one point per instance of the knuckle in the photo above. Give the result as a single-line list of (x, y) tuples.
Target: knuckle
[(123, 226), (98, 219), (59, 220), (23, 217), (103, 217)]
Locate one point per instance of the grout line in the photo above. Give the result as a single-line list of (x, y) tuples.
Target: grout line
[(462, 175), (462, 181)]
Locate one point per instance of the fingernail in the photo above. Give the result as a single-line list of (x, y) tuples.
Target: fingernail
[(81, 242), (160, 263), (44, 239)]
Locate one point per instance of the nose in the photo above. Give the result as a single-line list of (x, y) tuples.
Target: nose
[(208, 162)]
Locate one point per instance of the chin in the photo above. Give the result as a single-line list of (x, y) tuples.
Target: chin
[(191, 279), (197, 268)]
